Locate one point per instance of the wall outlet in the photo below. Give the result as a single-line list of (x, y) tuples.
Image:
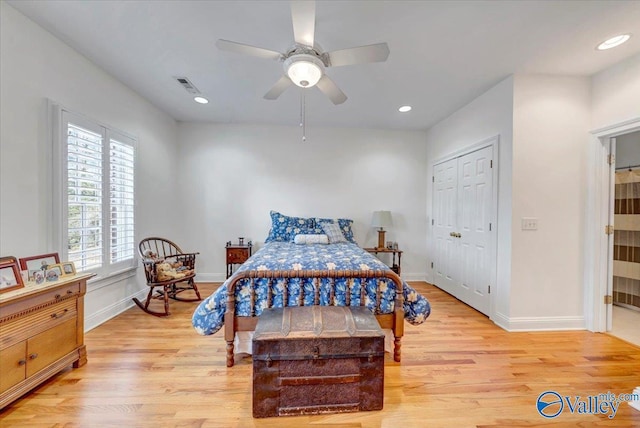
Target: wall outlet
[(529, 223)]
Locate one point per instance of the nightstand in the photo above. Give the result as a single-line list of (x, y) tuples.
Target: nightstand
[(237, 254), (394, 267)]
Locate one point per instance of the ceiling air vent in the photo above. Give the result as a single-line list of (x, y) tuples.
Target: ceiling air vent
[(186, 84)]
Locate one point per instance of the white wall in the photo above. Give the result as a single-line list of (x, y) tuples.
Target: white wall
[(542, 122), (616, 94), (487, 116), (35, 66), (231, 176), (550, 130)]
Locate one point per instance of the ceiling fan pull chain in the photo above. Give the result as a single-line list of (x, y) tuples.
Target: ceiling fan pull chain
[(301, 118), (303, 115)]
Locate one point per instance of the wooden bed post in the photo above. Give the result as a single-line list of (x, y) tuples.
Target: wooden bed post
[(230, 321), (398, 316)]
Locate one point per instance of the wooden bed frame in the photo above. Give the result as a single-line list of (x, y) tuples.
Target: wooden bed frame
[(233, 323)]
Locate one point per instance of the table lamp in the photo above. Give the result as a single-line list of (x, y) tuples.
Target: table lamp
[(381, 219)]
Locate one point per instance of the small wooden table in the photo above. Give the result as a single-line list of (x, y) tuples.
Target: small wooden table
[(237, 254), (394, 267)]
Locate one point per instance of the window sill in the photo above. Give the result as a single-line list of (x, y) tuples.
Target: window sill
[(111, 278)]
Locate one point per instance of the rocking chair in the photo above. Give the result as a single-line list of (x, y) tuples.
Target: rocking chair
[(155, 251)]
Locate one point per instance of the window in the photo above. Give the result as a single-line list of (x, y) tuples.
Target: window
[(95, 180)]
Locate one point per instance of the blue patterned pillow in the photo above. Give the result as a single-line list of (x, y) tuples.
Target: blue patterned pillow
[(285, 228), (344, 223)]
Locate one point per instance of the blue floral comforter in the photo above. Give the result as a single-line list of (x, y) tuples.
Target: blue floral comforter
[(208, 317)]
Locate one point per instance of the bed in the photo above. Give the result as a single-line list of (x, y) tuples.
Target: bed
[(324, 269)]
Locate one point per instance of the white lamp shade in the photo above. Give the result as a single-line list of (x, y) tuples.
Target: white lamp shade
[(381, 219), (304, 70)]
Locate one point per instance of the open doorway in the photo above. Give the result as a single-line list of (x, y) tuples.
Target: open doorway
[(626, 241)]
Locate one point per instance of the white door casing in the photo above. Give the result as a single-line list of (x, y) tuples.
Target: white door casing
[(611, 203), (596, 249)]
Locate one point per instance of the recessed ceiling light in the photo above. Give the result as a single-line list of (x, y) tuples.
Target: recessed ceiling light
[(201, 100), (404, 109), (613, 42)]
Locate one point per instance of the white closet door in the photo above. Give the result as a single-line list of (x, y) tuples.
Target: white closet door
[(474, 217), (444, 204), (462, 207)]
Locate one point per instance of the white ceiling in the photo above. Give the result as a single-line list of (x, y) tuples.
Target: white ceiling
[(443, 53)]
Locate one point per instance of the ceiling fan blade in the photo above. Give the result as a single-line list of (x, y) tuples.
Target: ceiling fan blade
[(227, 45), (360, 55), (331, 90), (277, 89), (303, 15)]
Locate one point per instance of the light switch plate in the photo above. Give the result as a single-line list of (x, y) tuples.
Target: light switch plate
[(529, 223)]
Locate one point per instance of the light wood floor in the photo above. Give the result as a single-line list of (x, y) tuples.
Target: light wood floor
[(458, 369)]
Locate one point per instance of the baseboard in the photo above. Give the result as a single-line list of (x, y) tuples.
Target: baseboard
[(514, 324), (211, 277), (414, 277), (93, 320), (501, 320)]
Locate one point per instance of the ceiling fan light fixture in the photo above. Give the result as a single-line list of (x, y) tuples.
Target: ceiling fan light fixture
[(613, 42), (304, 70), (201, 100)]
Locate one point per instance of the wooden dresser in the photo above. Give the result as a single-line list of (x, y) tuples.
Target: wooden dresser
[(41, 333)]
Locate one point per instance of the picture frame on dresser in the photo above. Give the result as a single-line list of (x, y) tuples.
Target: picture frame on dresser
[(54, 272), (10, 278), (39, 262), (68, 268)]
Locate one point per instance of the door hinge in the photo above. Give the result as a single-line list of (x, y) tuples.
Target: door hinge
[(608, 229), (489, 227), (608, 299), (433, 178), (431, 265), (432, 220), (611, 159), (491, 163), (489, 288)]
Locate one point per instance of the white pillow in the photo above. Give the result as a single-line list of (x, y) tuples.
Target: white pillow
[(311, 239)]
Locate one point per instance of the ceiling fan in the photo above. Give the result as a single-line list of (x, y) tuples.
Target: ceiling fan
[(305, 63)]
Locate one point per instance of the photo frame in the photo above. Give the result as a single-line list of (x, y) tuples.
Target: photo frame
[(38, 276), (40, 262), (68, 268), (54, 272), (10, 277)]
